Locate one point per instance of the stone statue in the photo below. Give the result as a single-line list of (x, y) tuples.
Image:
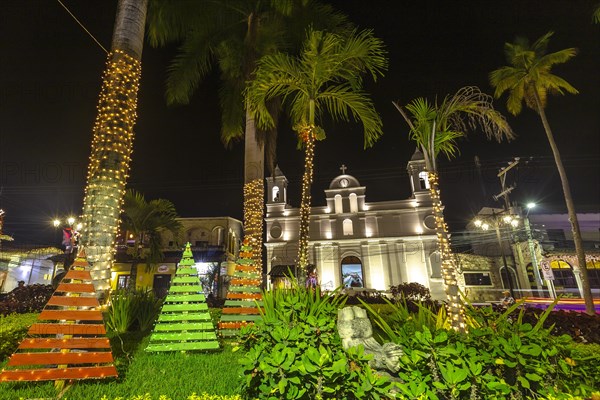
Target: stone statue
[(355, 328)]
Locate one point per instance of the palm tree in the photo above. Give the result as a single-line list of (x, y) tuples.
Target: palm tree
[(529, 79), (436, 128), (326, 78), (232, 35), (113, 140), (145, 221)]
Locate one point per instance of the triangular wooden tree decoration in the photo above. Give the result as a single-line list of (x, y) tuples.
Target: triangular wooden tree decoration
[(244, 296), (69, 341), (184, 322)]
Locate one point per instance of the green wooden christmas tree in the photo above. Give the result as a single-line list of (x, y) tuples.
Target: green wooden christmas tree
[(244, 297), (184, 322)]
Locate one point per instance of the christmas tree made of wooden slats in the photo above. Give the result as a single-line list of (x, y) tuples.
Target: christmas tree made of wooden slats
[(184, 322), (69, 341), (244, 296)]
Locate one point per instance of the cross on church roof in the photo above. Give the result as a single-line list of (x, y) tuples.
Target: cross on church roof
[(343, 168)]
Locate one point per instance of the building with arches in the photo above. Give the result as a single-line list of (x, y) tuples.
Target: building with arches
[(215, 243), (356, 243)]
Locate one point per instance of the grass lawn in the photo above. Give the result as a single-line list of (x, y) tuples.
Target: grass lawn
[(176, 375)]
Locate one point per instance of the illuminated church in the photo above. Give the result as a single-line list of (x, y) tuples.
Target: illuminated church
[(355, 243)]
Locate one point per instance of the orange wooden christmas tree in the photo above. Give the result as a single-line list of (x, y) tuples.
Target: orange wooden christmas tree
[(244, 296), (69, 341)]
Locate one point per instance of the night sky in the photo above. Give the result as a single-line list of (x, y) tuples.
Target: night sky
[(51, 70)]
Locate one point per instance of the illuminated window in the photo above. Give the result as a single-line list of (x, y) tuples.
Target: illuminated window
[(423, 180), (353, 203), (275, 194), (338, 204), (348, 229), (123, 282)]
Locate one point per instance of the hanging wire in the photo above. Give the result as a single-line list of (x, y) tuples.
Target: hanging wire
[(84, 28)]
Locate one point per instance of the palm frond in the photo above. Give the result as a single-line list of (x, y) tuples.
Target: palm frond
[(341, 101), (191, 64), (529, 76), (558, 57)]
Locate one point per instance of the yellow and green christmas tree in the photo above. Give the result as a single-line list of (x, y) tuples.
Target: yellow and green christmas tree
[(184, 322), (244, 296)]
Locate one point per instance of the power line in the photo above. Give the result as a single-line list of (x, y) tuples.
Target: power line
[(81, 25)]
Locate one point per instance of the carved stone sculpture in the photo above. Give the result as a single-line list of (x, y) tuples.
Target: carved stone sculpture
[(355, 329)]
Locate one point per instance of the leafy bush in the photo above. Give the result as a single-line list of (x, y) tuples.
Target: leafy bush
[(501, 357), (26, 299), (147, 309), (215, 315), (128, 307), (295, 352), (411, 291), (13, 329), (193, 396), (121, 310), (580, 326)]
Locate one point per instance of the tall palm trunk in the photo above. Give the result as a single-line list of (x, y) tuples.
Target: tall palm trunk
[(254, 158), (308, 136), (564, 180), (253, 190), (113, 139), (454, 306)]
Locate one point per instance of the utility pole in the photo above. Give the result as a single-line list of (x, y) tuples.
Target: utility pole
[(499, 237), (506, 191)]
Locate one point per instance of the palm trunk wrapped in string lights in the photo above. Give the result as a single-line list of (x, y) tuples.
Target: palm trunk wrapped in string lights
[(112, 141), (455, 307), (109, 163), (253, 218), (308, 137)]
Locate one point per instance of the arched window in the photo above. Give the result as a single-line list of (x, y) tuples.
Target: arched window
[(353, 203), (423, 180), (348, 229), (563, 275), (275, 194), (352, 272), (436, 264), (217, 236), (338, 204)]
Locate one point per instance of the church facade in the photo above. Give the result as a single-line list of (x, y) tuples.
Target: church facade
[(355, 243)]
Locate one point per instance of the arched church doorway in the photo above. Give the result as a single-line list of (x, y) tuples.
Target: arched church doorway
[(352, 272)]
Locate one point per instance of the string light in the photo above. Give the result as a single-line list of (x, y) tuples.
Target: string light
[(109, 163), (253, 218), (455, 307), (307, 135)]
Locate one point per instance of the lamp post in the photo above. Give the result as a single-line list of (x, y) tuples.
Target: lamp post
[(534, 262), (507, 219)]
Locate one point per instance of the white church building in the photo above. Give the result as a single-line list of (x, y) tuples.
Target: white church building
[(356, 243)]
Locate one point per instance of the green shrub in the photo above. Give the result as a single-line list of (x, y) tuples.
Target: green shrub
[(147, 309), (139, 307), (215, 315), (295, 352), (13, 329), (500, 357), (193, 396), (121, 311)]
